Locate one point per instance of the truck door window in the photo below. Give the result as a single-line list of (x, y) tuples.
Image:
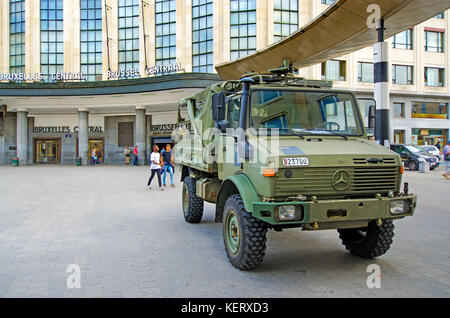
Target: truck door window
[(233, 112)]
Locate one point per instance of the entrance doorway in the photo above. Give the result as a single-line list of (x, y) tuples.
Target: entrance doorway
[(95, 144), (161, 142), (47, 151), (399, 136)]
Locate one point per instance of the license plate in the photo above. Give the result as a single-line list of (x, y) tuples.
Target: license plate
[(295, 162)]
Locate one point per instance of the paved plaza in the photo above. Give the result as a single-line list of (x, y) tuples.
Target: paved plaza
[(132, 242)]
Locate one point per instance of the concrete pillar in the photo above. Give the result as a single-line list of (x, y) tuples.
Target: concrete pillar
[(22, 136), (83, 135), (140, 134), (30, 140)]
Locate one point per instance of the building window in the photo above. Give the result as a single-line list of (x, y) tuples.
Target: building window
[(52, 44), (399, 110), (402, 74), (403, 40), (434, 41), (243, 27), (365, 72), (440, 16), (202, 36), (327, 1), (129, 35), (333, 70), (285, 18), (434, 76), (91, 39), (125, 133), (166, 46), (429, 110), (17, 36)]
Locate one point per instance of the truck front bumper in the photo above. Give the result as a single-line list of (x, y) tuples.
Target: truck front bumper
[(329, 214)]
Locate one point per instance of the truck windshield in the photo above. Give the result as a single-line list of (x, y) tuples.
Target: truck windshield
[(305, 112)]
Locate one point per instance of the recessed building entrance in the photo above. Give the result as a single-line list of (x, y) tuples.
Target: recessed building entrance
[(47, 151)]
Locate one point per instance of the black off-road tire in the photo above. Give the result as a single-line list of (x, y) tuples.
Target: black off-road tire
[(193, 209), (413, 166), (252, 235), (376, 241)]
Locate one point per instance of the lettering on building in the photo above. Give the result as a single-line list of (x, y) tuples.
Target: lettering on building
[(64, 129)]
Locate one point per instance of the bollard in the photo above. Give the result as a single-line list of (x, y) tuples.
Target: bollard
[(424, 166)]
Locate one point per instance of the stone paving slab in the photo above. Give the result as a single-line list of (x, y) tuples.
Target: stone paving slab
[(134, 242)]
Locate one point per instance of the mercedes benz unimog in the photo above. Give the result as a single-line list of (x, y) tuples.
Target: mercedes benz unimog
[(275, 151)]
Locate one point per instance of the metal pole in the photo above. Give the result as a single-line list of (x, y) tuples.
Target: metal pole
[(381, 79)]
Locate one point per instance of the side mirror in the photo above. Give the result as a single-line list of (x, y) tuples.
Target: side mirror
[(372, 117), (218, 107)]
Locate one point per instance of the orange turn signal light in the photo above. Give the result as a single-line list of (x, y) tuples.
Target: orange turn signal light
[(402, 169), (268, 172)]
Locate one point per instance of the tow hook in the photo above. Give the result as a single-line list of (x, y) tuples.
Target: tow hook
[(379, 222)]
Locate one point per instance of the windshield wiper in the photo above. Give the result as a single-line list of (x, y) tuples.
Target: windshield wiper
[(295, 134), (328, 131)]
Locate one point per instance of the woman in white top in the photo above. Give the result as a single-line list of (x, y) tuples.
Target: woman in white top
[(155, 167)]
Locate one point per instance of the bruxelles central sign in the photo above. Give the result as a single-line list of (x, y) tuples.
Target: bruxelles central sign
[(64, 129), (79, 76)]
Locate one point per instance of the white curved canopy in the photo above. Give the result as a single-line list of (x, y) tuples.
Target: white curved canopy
[(340, 30)]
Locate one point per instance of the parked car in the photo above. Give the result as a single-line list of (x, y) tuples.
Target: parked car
[(410, 155), (433, 150)]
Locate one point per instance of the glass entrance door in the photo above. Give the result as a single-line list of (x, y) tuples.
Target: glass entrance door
[(96, 144), (48, 151)]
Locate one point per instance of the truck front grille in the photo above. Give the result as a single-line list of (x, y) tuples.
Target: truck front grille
[(319, 181)]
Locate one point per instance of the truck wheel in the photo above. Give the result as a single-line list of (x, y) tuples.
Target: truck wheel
[(244, 236), (369, 242), (192, 204), (412, 165)]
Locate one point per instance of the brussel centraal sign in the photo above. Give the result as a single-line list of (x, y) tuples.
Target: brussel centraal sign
[(149, 71)]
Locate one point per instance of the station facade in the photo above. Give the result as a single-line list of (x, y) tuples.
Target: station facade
[(105, 74)]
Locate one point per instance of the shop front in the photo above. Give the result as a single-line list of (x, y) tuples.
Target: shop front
[(55, 138), (47, 151), (421, 136)]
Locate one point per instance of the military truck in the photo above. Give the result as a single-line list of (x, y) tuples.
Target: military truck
[(275, 151)]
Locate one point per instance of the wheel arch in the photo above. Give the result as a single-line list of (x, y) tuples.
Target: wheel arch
[(236, 184), (184, 172)]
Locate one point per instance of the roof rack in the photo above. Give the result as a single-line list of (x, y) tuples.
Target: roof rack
[(284, 76)]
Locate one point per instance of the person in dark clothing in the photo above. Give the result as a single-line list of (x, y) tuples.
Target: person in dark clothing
[(155, 167), (168, 165), (135, 154)]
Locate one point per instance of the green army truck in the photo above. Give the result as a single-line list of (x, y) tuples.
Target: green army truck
[(274, 151)]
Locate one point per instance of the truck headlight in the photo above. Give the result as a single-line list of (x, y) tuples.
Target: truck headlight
[(399, 207), (289, 213)]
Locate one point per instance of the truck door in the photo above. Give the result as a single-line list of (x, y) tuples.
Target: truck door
[(229, 162)]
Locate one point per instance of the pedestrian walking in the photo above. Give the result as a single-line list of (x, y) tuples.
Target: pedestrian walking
[(126, 152), (438, 145), (98, 155), (135, 155), (93, 157), (446, 153), (155, 167), (168, 165)]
